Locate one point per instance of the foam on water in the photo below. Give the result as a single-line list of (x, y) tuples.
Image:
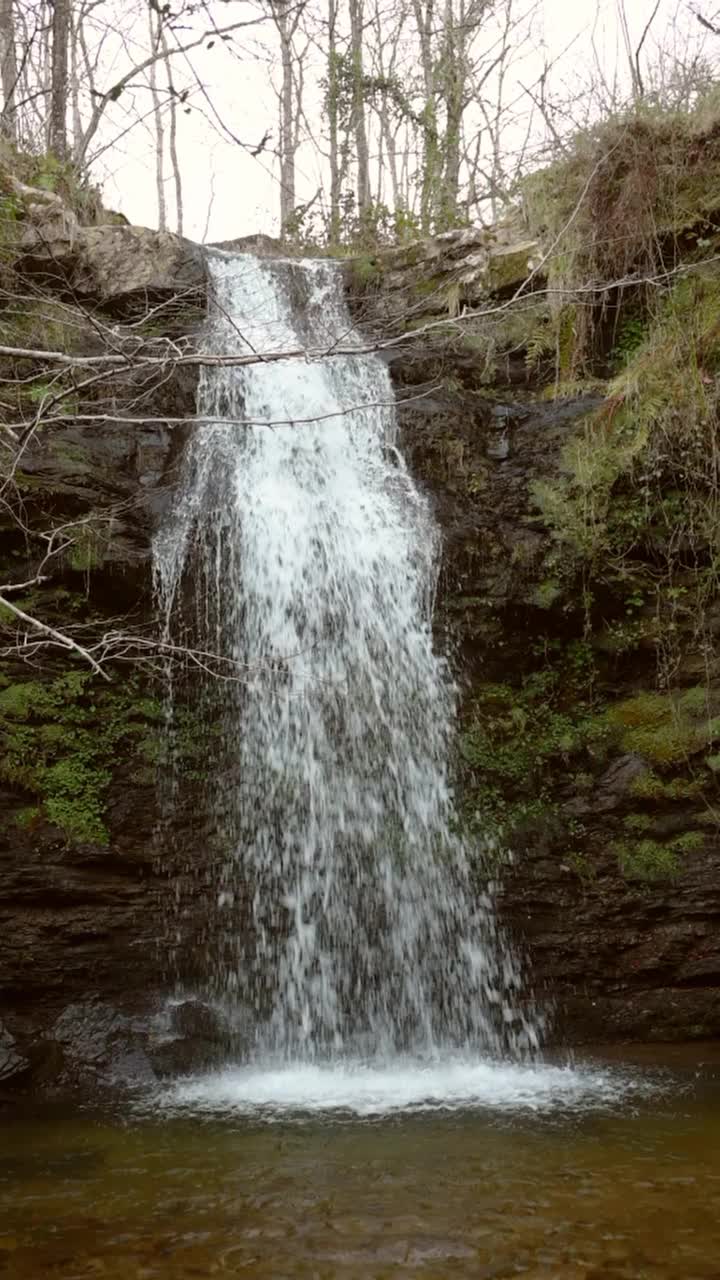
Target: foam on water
[(372, 1089)]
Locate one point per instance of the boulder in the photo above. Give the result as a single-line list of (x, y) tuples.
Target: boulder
[(13, 1063), (194, 1019), (118, 261), (197, 1036), (612, 788), (261, 245), (108, 263), (444, 274), (101, 1045)]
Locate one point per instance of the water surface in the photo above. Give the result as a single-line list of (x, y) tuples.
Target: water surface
[(619, 1182)]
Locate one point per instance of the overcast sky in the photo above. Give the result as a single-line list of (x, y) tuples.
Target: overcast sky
[(227, 193)]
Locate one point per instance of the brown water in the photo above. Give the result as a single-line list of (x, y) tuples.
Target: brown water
[(626, 1190)]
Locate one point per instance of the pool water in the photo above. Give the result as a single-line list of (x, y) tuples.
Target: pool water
[(247, 1175)]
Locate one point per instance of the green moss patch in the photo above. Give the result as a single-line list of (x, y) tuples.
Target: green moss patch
[(520, 743), (646, 859), (665, 729), (61, 740)]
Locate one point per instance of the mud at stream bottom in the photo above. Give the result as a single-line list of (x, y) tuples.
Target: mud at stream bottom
[(617, 1183)]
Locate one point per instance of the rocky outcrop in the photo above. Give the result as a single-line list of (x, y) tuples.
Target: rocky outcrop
[(613, 886), (12, 1062), (446, 274), (120, 268)]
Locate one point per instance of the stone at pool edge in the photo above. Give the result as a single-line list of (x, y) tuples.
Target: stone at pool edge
[(101, 1045), (200, 1037), (13, 1062)]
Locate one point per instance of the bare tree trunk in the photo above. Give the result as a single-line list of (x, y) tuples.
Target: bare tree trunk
[(453, 85), (8, 70), (286, 25), (45, 72), (431, 161), (334, 228), (57, 136), (159, 127), (177, 174), (390, 141), (75, 56), (359, 127), (386, 104)]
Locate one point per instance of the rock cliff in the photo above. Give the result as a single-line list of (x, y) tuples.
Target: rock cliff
[(578, 603), (84, 901)]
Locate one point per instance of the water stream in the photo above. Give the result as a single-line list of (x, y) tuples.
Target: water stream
[(351, 918)]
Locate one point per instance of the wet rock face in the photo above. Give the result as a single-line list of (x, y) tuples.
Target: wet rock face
[(622, 937), (615, 952), (619, 959), (99, 1045), (87, 951), (197, 1036), (612, 787), (94, 1046), (13, 1064), (478, 460)]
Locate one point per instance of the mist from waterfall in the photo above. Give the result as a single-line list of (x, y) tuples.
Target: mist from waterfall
[(350, 915)]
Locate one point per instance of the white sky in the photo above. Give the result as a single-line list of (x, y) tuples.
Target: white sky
[(233, 194)]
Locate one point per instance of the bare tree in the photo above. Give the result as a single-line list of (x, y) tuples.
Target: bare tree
[(172, 143), (332, 104), (8, 70), (633, 53), (286, 19), (57, 123), (358, 122)]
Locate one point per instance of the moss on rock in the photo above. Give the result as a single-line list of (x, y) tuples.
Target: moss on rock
[(61, 739)]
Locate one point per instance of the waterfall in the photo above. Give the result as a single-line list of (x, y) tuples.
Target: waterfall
[(350, 915)]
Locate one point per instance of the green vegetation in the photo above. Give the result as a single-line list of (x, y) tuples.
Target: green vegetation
[(365, 271), (527, 749), (647, 859), (519, 741), (635, 510), (665, 730), (89, 543), (650, 786), (46, 172), (47, 324), (649, 180), (60, 740)]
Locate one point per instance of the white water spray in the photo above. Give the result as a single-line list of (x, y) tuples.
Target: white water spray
[(349, 917)]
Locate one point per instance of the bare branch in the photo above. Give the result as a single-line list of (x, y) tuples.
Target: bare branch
[(62, 638)]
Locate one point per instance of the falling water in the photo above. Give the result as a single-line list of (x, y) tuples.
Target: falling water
[(350, 917)]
